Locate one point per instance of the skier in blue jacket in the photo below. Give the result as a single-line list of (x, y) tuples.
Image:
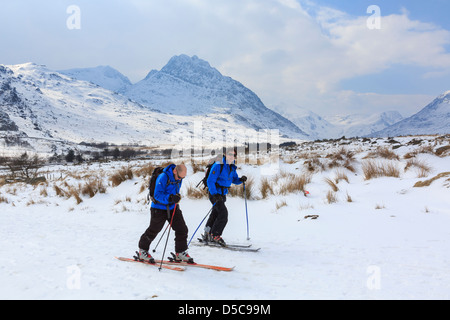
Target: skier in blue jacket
[(222, 175), (166, 196)]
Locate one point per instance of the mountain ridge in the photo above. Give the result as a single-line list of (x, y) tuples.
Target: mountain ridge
[(434, 118)]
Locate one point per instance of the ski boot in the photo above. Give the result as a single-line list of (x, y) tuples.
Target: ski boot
[(218, 240), (206, 237), (182, 257), (144, 256)]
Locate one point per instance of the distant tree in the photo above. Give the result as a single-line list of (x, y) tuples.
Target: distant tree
[(25, 166), (106, 153), (116, 153), (70, 156), (128, 153), (79, 158)]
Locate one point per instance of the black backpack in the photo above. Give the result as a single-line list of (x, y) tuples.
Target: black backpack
[(208, 171), (152, 184)]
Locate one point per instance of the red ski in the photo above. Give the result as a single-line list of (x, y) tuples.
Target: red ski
[(186, 264), (165, 266)]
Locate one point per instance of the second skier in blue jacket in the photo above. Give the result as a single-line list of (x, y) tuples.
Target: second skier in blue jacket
[(222, 175)]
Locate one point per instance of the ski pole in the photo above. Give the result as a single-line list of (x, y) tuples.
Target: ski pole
[(209, 212), (154, 250), (246, 212), (165, 246)]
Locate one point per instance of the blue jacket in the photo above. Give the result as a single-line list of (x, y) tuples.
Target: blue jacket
[(165, 186), (223, 178)]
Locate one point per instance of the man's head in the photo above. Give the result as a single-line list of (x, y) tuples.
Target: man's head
[(180, 172), (231, 155)]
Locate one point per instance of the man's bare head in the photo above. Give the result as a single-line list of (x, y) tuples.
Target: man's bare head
[(180, 171)]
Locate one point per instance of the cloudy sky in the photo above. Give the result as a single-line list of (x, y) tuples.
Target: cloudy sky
[(327, 56)]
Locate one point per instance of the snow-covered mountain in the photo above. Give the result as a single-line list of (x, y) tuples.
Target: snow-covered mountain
[(336, 126), (189, 86), (36, 102), (314, 125), (104, 76), (358, 125), (41, 103), (433, 119)]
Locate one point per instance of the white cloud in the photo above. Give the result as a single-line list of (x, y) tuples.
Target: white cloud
[(301, 58), (285, 50)]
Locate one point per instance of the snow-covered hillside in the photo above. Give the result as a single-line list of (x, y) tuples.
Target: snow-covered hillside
[(39, 103), (46, 104), (360, 125), (190, 86), (433, 119), (385, 237), (104, 76), (335, 126)]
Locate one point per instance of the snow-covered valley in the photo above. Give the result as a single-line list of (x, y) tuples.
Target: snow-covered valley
[(375, 237)]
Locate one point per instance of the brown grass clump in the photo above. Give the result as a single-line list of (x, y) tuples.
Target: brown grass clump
[(331, 183), (373, 169), (197, 167), (59, 192), (341, 175), (123, 174), (238, 190), (280, 204), (341, 158), (349, 198), (383, 152), (294, 183), (145, 171), (266, 188), (423, 168), (314, 165), (426, 183), (92, 187), (421, 149), (196, 193), (443, 151), (76, 194), (3, 199), (331, 197)]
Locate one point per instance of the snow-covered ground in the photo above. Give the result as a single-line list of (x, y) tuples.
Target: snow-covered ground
[(392, 241)]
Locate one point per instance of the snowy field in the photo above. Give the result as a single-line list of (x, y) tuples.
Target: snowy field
[(378, 238)]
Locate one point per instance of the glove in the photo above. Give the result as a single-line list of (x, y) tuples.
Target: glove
[(174, 198), (243, 178), (217, 198)]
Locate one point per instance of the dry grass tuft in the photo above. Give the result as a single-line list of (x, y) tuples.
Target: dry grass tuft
[(92, 187), (266, 188), (196, 193), (383, 152), (238, 190), (292, 183), (426, 183), (423, 168), (373, 169), (331, 183), (3, 199), (341, 175), (443, 151), (123, 174), (280, 204), (331, 197)]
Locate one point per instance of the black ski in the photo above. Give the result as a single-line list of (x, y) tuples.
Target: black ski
[(232, 247)]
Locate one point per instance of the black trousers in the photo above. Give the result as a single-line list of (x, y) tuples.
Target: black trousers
[(218, 219), (157, 221)]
